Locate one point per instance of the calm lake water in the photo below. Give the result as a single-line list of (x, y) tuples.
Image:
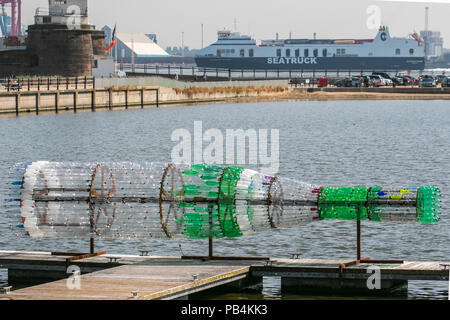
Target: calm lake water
[(326, 143)]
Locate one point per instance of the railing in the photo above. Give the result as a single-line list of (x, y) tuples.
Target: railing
[(78, 99), (48, 12), (202, 74), (46, 84)]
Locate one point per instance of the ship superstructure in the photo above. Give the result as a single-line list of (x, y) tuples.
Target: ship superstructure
[(235, 51)]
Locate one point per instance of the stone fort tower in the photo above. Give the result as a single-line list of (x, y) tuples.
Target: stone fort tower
[(61, 41)]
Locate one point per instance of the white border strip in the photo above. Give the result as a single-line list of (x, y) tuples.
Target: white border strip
[(418, 1)]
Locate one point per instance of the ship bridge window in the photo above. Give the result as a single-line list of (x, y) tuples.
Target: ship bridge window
[(411, 51), (278, 52), (306, 52), (316, 52), (397, 51), (221, 52), (250, 53), (288, 52), (325, 52), (297, 53), (340, 52), (242, 53)]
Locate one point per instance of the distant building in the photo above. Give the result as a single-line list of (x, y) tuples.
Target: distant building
[(139, 44), (152, 36), (180, 52), (434, 43)]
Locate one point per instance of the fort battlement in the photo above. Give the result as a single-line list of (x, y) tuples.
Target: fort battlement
[(61, 42)]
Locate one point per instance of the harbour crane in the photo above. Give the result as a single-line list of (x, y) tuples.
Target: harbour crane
[(16, 18)]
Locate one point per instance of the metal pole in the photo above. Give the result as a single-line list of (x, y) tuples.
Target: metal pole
[(93, 100), (56, 101), (17, 104), (92, 246), (110, 98), (182, 44), (358, 234), (75, 101), (38, 98), (202, 36), (210, 240), (132, 54)]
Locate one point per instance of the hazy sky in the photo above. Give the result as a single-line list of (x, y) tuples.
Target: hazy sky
[(259, 18)]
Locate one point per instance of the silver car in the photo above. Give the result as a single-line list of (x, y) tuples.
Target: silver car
[(427, 83), (387, 82)]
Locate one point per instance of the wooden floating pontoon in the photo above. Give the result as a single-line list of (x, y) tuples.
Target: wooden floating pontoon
[(125, 277)]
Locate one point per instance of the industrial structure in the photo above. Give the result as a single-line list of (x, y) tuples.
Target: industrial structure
[(60, 42), (11, 25), (434, 43)]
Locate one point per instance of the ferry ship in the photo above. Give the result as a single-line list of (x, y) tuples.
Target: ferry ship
[(383, 53)]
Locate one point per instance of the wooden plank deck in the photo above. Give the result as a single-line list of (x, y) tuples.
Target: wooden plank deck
[(37, 258), (173, 277), (148, 282), (48, 264), (319, 268)]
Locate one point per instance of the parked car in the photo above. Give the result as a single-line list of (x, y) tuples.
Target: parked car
[(445, 82), (441, 78), (400, 81), (367, 81), (387, 82), (376, 80), (13, 85), (427, 82), (346, 82), (387, 76), (297, 82), (426, 76), (408, 80), (355, 81)]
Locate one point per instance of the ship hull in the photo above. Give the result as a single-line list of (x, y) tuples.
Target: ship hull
[(314, 63)]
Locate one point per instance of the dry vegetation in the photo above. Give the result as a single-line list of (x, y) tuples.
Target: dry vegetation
[(230, 90)]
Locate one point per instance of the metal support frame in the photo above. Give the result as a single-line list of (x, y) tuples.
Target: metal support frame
[(211, 255), (359, 259), (102, 194)]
